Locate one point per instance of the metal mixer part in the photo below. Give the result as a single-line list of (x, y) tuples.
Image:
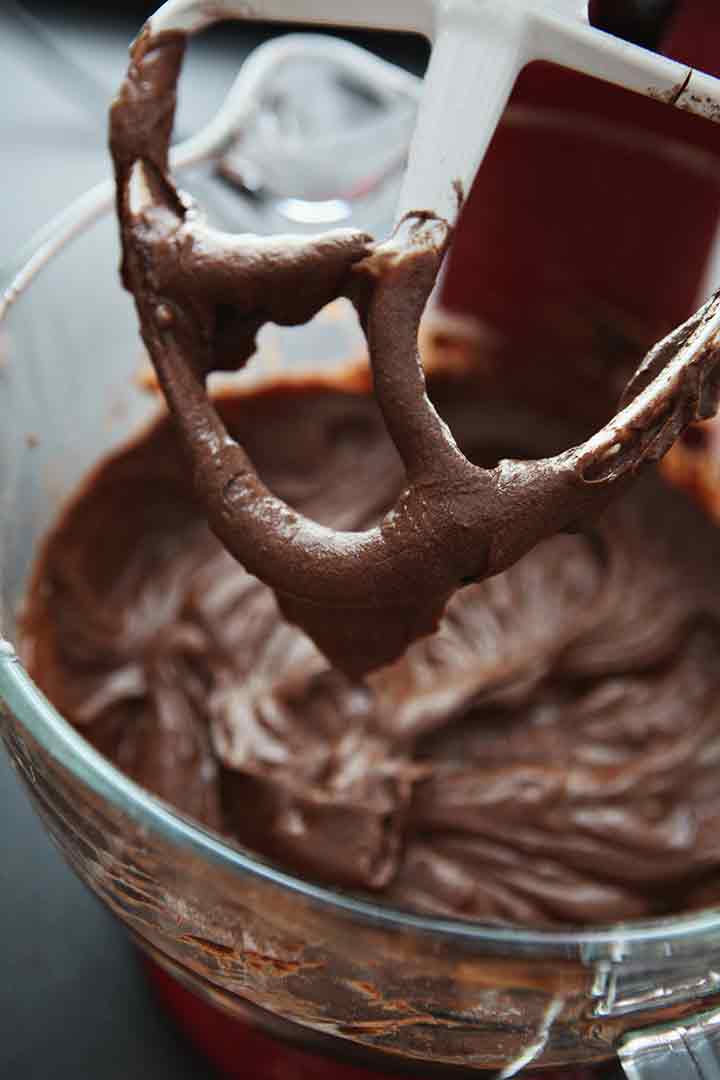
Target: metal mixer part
[(686, 1050), (385, 81)]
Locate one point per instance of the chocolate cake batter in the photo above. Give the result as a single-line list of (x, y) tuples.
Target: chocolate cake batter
[(550, 755)]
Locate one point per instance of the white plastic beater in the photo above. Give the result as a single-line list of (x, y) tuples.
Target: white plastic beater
[(478, 49)]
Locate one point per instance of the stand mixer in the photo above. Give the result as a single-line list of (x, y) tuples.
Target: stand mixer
[(526, 33)]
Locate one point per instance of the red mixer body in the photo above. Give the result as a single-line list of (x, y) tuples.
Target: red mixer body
[(242, 1052), (578, 210)]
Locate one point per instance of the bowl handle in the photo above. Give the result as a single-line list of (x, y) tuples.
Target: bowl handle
[(686, 1049)]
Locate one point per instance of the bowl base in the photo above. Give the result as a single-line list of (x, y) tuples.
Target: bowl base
[(240, 1050)]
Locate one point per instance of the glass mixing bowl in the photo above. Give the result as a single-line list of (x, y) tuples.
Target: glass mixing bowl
[(357, 979)]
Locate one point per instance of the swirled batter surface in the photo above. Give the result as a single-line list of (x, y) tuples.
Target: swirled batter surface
[(550, 756)]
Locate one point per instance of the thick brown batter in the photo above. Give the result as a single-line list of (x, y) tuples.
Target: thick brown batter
[(551, 755)]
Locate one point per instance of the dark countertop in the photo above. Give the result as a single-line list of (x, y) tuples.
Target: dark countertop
[(73, 1002)]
